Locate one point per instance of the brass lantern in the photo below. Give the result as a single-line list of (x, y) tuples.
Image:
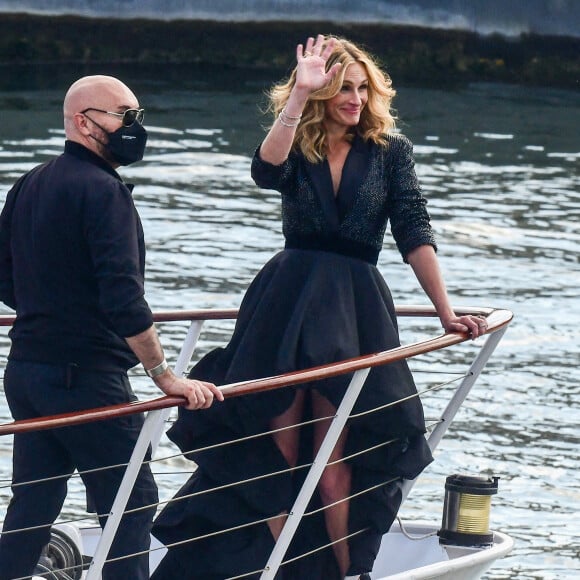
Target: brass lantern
[(466, 510)]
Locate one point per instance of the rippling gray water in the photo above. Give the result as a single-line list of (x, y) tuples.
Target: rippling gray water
[(500, 167)]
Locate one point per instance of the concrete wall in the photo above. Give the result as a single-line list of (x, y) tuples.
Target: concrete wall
[(506, 17)]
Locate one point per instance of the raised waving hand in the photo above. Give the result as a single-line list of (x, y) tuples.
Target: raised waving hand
[(311, 73)]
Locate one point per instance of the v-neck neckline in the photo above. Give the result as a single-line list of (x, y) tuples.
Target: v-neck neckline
[(336, 208)]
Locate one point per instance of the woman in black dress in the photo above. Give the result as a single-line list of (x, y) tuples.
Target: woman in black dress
[(343, 174)]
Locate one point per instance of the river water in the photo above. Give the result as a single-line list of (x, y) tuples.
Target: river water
[(500, 168)]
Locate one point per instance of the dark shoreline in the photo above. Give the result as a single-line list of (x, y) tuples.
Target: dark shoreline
[(412, 55)]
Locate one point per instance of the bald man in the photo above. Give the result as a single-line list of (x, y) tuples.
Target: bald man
[(72, 258)]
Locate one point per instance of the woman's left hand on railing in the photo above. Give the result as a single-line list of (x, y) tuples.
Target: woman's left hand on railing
[(474, 325)]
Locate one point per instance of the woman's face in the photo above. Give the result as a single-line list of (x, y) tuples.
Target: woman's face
[(344, 109)]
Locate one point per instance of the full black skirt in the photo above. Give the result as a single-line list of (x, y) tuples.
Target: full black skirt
[(304, 309)]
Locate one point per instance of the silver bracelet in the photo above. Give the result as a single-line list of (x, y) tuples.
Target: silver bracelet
[(287, 120), (283, 112), (157, 370)]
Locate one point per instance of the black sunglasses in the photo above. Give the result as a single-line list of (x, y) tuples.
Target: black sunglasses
[(128, 117)]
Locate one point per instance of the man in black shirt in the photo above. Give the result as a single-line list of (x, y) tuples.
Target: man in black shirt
[(72, 260)]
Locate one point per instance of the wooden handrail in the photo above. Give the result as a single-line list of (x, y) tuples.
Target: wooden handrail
[(191, 315), (232, 313), (496, 319), (165, 315)]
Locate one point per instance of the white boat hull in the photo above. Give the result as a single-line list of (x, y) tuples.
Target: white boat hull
[(400, 557)]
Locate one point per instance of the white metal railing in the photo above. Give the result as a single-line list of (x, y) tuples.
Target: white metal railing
[(156, 418)]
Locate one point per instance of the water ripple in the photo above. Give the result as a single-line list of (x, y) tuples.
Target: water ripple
[(502, 183)]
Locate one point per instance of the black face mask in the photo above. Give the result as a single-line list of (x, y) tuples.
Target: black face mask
[(127, 144)]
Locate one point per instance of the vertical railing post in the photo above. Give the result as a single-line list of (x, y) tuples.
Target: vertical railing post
[(144, 440), (314, 474), (183, 359), (458, 398), (150, 435)]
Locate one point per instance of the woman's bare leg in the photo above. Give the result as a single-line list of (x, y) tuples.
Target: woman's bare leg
[(335, 483), (287, 442)]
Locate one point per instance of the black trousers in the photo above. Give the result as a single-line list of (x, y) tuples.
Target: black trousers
[(34, 390)]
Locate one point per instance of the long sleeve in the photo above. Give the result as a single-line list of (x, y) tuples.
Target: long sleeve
[(269, 176), (6, 278), (410, 221), (114, 235)]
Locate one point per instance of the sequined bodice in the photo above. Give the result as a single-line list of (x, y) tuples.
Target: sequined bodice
[(378, 185)]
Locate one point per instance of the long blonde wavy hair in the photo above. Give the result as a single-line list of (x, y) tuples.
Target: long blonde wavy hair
[(376, 119)]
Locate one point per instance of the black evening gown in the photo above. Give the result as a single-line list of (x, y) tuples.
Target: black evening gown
[(306, 307)]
